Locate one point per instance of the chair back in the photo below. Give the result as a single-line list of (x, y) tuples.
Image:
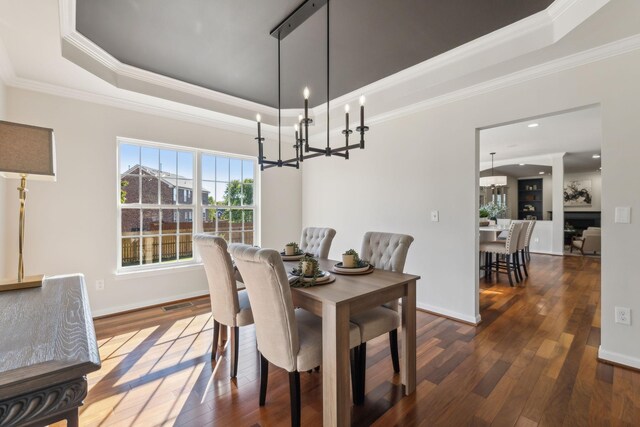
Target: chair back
[(386, 251), (220, 276), (317, 241), (511, 244), (591, 240), (529, 231), (522, 237), (270, 296)]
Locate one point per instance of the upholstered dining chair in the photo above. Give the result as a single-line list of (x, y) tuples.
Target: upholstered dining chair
[(529, 233), (288, 338), (520, 258), (228, 306), (508, 249), (386, 251), (317, 241)]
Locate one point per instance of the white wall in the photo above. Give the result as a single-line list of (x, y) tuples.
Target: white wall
[(542, 238), (596, 187), (4, 205), (71, 224), (428, 161)]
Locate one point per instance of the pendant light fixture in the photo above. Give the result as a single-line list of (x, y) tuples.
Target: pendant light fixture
[(301, 129), (493, 181)]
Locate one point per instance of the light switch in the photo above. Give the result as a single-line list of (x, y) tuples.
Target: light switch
[(623, 215), (435, 216)]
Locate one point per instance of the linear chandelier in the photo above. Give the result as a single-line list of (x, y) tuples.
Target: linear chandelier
[(301, 129)]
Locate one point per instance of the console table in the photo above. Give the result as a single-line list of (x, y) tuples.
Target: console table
[(47, 346)]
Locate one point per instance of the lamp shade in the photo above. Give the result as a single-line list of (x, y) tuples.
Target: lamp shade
[(493, 181), (27, 150)]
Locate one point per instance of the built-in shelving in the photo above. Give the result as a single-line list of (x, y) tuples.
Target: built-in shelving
[(530, 199)]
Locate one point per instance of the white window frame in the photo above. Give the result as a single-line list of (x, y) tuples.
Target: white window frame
[(197, 205)]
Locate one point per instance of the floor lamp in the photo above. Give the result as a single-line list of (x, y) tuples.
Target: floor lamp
[(25, 151)]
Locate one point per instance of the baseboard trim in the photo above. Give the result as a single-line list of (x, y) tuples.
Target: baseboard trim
[(618, 359), (449, 314), (547, 253), (123, 309)]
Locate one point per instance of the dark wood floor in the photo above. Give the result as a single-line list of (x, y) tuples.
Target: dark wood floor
[(532, 361)]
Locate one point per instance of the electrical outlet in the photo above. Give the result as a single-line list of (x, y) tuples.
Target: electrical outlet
[(536, 240), (435, 216), (623, 315), (100, 285)]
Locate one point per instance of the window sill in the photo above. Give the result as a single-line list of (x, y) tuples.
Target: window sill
[(157, 271)]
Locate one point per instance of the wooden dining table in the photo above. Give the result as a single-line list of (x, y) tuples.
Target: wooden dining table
[(335, 303)]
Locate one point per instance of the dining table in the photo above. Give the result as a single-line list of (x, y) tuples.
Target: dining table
[(490, 233), (335, 302)]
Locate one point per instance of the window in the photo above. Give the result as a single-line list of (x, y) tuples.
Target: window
[(227, 198), (157, 204)]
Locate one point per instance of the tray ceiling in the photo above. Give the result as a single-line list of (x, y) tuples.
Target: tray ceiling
[(225, 45)]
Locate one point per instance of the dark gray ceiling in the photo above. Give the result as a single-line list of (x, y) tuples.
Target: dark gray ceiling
[(225, 45)]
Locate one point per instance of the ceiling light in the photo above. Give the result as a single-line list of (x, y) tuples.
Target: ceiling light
[(521, 164), (493, 181), (541, 173), (596, 156), (533, 125), (296, 18)]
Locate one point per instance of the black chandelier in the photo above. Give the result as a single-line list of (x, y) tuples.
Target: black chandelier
[(303, 149)]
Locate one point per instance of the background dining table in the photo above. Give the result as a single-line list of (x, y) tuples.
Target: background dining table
[(335, 303)]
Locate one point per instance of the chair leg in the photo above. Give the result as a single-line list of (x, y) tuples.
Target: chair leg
[(294, 392), (497, 267), (264, 378), (235, 338), (524, 263), (516, 266), (487, 266), (216, 337), (355, 372), (362, 368), (508, 261), (393, 346)]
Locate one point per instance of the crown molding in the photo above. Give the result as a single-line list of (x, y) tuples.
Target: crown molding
[(157, 107), (83, 52), (529, 34), (618, 47), (202, 113)]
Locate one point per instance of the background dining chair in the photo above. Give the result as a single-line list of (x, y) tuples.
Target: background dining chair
[(288, 338), (529, 233), (508, 249), (317, 241), (520, 258), (385, 251), (228, 306)]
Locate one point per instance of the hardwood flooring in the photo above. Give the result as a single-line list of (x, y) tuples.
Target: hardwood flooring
[(532, 361)]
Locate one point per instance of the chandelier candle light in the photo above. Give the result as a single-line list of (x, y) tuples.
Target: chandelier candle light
[(301, 129)]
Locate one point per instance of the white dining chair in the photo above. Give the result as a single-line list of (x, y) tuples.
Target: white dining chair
[(507, 248), (385, 251), (317, 241), (288, 338), (529, 233), (228, 306)]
